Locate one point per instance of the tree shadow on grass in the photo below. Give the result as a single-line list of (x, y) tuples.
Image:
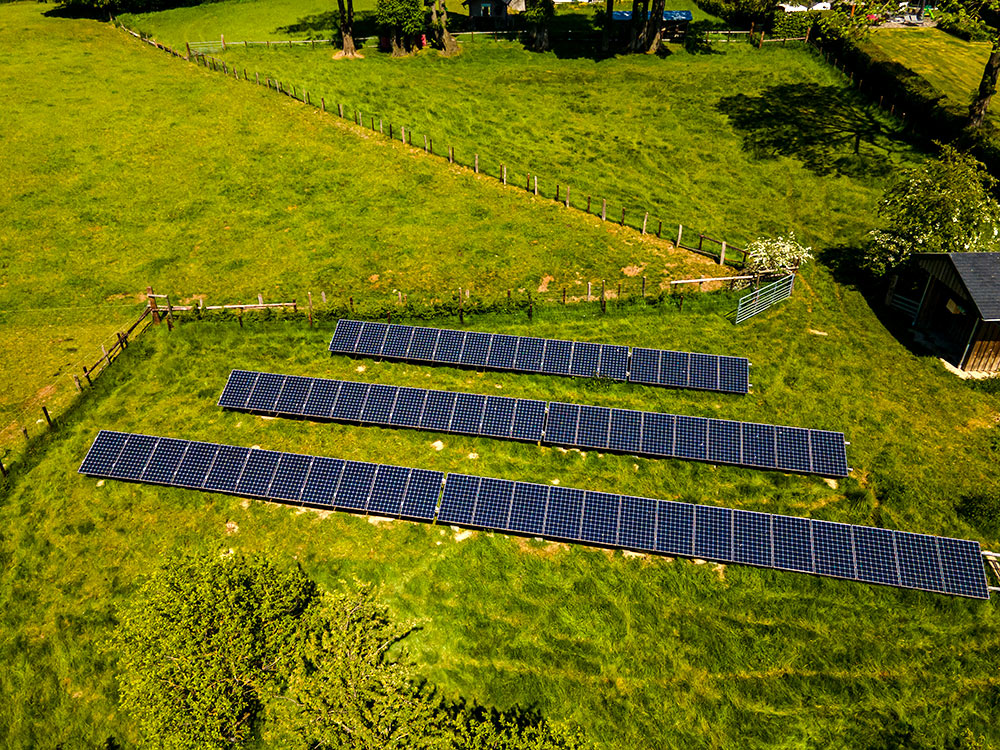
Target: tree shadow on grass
[(826, 127), (327, 26)]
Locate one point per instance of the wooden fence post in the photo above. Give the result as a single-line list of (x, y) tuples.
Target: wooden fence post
[(351, 300), (47, 417), (170, 314), (310, 296), (643, 287), (659, 228), (188, 51), (536, 184), (564, 295), (79, 386), (557, 192), (603, 297), (623, 217), (680, 233), (588, 291), (567, 196), (425, 144), (86, 374), (476, 161), (604, 209), (503, 169), (151, 301), (3, 470), (722, 254), (588, 204), (644, 220)]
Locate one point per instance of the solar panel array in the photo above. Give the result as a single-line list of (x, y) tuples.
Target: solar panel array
[(860, 553), (641, 433), (496, 351)]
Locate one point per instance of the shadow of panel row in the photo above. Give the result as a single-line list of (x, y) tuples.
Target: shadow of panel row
[(859, 553), (640, 433), (293, 478), (498, 351)]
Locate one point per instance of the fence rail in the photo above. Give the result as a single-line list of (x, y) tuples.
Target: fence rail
[(761, 299)]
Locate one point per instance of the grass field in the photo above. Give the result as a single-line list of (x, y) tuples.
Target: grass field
[(953, 66), (642, 652)]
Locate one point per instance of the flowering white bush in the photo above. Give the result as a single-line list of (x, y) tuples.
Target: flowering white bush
[(772, 254)]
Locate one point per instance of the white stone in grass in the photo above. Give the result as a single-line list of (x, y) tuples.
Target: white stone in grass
[(554, 481), (268, 418), (630, 553), (498, 385), (361, 368), (814, 332), (635, 466), (463, 536), (473, 455), (831, 483), (41, 421), (437, 445), (100, 482), (255, 447), (376, 520)]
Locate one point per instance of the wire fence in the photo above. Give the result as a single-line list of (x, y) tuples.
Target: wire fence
[(766, 297)]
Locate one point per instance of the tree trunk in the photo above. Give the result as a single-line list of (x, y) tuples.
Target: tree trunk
[(347, 27), (987, 87), (608, 26), (638, 24), (540, 38), (654, 27), (440, 22), (397, 44)]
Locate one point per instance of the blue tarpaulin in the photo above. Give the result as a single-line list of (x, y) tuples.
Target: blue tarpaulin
[(668, 15)]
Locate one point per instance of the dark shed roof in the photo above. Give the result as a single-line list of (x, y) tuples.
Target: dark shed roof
[(979, 273)]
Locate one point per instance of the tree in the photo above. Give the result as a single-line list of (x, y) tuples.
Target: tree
[(944, 205), (201, 646), (987, 87), (347, 27), (439, 28), (772, 254), (653, 30), (478, 729), (401, 21), (538, 14)]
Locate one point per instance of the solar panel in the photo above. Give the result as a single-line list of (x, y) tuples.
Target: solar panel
[(529, 420), (586, 359), (345, 338), (758, 445), (792, 449), (692, 438), (625, 435), (896, 558), (498, 417), (378, 404), (564, 513), (409, 407), (265, 392), (350, 402), (658, 434), (527, 509), (458, 501), (724, 442), (238, 388), (560, 428), (555, 357), (468, 415), (592, 430), (320, 486), (293, 395), (600, 518), (828, 455), (322, 396), (437, 410), (493, 503)]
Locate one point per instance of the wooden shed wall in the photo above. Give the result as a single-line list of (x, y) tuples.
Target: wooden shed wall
[(984, 352)]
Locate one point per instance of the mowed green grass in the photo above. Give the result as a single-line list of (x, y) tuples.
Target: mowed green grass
[(952, 65), (124, 167), (644, 653)]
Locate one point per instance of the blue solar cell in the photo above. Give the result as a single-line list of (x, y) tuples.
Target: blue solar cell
[(734, 375), (350, 401), (388, 490), (449, 346), (713, 533), (437, 410), (834, 549), (237, 390), (919, 562), (962, 564), (585, 361), (420, 500), (503, 352), (758, 445), (658, 434), (258, 473), (423, 344), (345, 338), (409, 407), (164, 462), (637, 524), (600, 518), (557, 357), (320, 486), (290, 476), (560, 427), (614, 362), (134, 456), (322, 396), (752, 538), (527, 509), (792, 451), (529, 420), (468, 415), (829, 453), (645, 366), (293, 395), (476, 351), (724, 446), (459, 499), (265, 392), (355, 486), (564, 513), (530, 353), (793, 546), (397, 342), (692, 438), (675, 369), (626, 431), (493, 503), (704, 372), (372, 338), (675, 528), (194, 466), (592, 430), (875, 554), (378, 404), (498, 417), (226, 469), (103, 453)]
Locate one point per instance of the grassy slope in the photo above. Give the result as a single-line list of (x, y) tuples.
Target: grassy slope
[(953, 66), (644, 653), (125, 167)]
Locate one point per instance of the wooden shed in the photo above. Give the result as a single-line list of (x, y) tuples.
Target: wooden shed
[(959, 308)]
